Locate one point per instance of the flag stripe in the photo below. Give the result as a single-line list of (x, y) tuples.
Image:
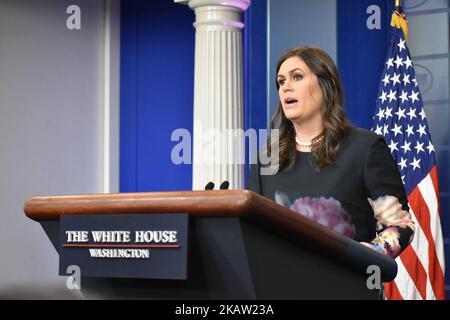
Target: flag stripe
[(434, 177), (415, 270), (427, 190), (420, 246), (405, 283), (434, 269), (422, 214), (392, 291)]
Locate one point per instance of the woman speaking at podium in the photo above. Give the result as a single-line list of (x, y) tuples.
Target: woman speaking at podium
[(339, 175)]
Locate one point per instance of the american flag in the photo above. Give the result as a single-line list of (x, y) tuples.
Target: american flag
[(400, 119)]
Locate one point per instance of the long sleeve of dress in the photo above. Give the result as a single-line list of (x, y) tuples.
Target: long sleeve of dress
[(386, 195), (254, 181)]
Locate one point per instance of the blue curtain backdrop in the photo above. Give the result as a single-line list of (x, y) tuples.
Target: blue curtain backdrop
[(361, 55)]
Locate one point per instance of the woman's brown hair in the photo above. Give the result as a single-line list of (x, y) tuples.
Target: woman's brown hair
[(326, 146)]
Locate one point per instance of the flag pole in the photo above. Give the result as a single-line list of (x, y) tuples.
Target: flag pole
[(399, 18), (398, 5)]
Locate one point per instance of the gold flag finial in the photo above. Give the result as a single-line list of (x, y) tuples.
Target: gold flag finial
[(399, 19)]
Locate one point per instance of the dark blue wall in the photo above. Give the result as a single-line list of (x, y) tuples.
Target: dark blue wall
[(255, 69), (157, 81), (361, 56)]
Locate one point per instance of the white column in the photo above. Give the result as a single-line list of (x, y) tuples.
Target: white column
[(218, 144)]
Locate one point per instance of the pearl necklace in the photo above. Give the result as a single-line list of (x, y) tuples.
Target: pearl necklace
[(304, 144)]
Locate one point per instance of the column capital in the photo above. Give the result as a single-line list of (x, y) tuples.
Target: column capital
[(217, 13), (238, 4)]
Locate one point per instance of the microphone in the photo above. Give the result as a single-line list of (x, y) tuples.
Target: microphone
[(224, 185), (209, 186)]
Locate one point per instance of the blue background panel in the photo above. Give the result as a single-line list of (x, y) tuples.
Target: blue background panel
[(361, 55), (157, 82)]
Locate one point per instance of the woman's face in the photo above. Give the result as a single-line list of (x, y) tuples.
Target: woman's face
[(300, 93)]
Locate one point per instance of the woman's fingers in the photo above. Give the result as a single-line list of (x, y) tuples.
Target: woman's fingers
[(387, 210)]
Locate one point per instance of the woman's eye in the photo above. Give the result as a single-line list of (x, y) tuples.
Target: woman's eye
[(280, 82), (298, 77)]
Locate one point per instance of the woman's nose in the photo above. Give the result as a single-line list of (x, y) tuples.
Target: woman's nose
[(287, 86)]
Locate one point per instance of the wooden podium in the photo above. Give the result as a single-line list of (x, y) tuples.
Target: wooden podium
[(241, 246)]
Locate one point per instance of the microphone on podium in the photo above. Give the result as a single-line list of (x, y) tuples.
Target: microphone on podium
[(209, 186), (224, 185)]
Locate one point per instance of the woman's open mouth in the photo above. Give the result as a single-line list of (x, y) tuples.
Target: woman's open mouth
[(290, 102)]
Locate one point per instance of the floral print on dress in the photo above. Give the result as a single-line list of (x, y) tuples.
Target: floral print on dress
[(326, 211), (395, 227)]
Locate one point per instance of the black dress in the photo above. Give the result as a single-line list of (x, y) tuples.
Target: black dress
[(363, 169)]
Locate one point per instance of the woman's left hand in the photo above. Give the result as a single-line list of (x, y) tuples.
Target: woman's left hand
[(388, 210)]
